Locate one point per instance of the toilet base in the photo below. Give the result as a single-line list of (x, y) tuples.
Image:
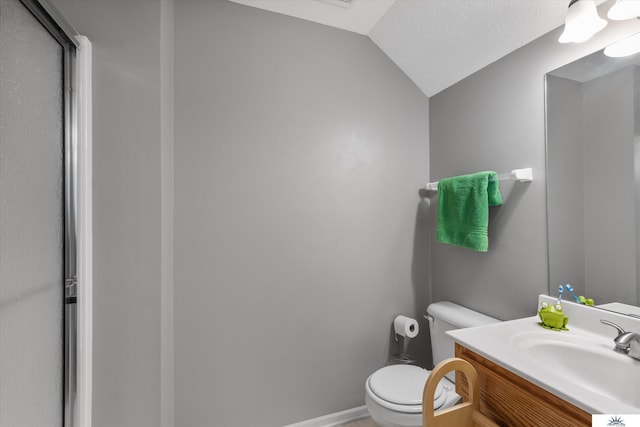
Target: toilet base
[(385, 417)]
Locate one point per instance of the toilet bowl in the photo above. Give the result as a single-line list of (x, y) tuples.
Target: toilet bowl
[(393, 394)]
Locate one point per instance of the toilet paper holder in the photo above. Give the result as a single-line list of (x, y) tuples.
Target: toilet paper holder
[(406, 328), (403, 359)]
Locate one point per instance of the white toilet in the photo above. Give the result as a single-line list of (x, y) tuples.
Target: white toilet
[(394, 393)]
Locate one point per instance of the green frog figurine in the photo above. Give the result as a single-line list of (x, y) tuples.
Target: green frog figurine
[(586, 301), (553, 317)]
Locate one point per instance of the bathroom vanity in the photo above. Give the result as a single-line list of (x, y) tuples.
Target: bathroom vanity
[(510, 400), (532, 376)]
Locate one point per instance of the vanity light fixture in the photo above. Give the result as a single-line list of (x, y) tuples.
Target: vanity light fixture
[(625, 47), (582, 22), (624, 9)]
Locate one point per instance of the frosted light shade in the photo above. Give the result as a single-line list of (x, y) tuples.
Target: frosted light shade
[(624, 47), (582, 22), (624, 9)]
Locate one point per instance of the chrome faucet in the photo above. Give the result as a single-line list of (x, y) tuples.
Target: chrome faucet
[(626, 342)]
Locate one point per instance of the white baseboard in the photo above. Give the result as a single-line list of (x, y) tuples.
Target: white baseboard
[(336, 419)]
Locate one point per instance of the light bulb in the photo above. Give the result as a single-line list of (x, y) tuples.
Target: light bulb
[(582, 22), (624, 9), (624, 47)]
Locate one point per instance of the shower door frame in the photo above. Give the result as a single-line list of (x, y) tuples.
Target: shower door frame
[(78, 238)]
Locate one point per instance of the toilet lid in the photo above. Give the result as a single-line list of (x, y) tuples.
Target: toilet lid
[(402, 384)]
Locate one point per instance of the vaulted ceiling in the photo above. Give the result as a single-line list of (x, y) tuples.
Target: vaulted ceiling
[(435, 42)]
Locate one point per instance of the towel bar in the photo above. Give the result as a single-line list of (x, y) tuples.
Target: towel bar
[(520, 175)]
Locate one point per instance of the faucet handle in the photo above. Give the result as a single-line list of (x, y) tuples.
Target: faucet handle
[(606, 322)]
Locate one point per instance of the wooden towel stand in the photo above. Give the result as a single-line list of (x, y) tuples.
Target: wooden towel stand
[(466, 414)]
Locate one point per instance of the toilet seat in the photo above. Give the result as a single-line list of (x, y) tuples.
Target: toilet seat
[(400, 387)]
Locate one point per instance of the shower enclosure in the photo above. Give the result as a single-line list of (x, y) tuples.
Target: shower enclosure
[(39, 137)]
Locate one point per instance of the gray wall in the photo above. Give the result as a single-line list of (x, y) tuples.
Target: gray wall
[(126, 194), (494, 120), (299, 232)]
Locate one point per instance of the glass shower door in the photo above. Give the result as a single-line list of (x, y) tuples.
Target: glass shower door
[(32, 137)]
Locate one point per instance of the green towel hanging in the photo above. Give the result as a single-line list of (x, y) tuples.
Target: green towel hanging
[(463, 209)]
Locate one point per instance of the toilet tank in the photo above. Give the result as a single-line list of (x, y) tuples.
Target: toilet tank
[(445, 316)]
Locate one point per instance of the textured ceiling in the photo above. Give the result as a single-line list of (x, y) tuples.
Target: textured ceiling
[(435, 42), (439, 42), (360, 17)]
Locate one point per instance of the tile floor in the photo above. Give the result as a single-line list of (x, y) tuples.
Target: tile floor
[(365, 422)]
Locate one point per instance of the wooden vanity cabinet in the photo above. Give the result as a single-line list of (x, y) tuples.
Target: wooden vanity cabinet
[(512, 401)]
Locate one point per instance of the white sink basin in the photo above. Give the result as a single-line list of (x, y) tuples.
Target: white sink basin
[(584, 362), (578, 365)]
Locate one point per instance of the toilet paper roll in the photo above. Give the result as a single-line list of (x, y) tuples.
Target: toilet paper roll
[(405, 326)]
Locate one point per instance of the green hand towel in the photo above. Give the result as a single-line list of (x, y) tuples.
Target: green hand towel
[(463, 209)]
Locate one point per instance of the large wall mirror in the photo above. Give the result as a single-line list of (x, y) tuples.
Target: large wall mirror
[(593, 178)]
